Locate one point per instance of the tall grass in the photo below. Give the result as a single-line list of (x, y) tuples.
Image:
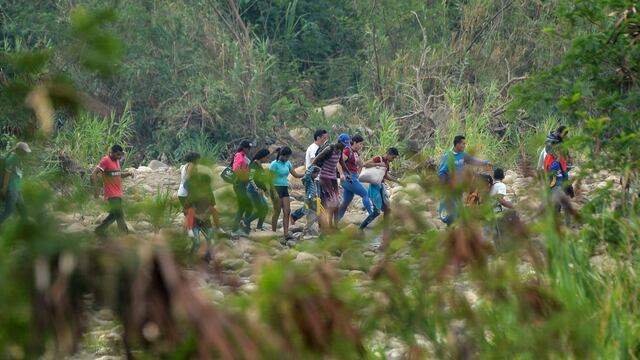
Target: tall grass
[(201, 143), (474, 121), (389, 133), (88, 137)]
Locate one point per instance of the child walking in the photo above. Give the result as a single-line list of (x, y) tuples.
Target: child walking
[(310, 208)]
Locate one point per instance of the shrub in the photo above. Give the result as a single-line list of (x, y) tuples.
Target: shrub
[(87, 137)]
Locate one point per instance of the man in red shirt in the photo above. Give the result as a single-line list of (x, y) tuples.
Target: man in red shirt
[(112, 176)]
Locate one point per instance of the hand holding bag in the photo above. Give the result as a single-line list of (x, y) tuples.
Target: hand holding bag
[(228, 175), (373, 175)]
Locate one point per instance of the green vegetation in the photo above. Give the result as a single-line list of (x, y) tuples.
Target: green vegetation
[(167, 77)]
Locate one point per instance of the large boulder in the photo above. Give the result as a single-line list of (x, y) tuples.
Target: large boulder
[(305, 258), (233, 264), (225, 199), (294, 181), (352, 217), (76, 228), (329, 110), (353, 259), (144, 169), (156, 165)]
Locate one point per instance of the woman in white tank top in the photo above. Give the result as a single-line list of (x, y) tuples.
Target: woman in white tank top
[(186, 171)]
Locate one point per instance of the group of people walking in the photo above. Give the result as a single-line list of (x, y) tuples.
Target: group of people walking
[(330, 167)]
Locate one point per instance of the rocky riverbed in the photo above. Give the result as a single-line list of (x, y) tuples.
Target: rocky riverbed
[(241, 259)]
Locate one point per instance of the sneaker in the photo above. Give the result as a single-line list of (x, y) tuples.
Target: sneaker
[(190, 233), (376, 244)]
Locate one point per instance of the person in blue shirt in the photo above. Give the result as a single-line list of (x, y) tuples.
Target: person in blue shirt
[(457, 158), (460, 158), (281, 167)]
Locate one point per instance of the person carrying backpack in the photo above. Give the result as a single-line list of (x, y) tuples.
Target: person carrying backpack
[(327, 160), (109, 168), (554, 138), (557, 175), (11, 189), (240, 168)]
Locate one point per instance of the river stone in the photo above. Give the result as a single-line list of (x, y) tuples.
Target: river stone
[(353, 259), (295, 181), (352, 218), (603, 264), (64, 217), (143, 169), (233, 264), (155, 165), (263, 235), (246, 272), (329, 110), (304, 257), (249, 287), (211, 294), (75, 228)]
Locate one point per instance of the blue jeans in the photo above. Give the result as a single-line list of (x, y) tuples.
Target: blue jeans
[(197, 231), (377, 195), (244, 204), (12, 202), (259, 205), (350, 190)]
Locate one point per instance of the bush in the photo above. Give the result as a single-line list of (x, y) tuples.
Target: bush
[(88, 137)]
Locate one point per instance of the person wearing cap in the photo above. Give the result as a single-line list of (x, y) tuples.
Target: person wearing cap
[(351, 154), (12, 182), (554, 138), (328, 161), (241, 171), (109, 168)]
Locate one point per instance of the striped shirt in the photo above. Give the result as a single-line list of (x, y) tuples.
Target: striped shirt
[(329, 167)]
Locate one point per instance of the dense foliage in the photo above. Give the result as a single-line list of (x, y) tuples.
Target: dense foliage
[(191, 69)]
